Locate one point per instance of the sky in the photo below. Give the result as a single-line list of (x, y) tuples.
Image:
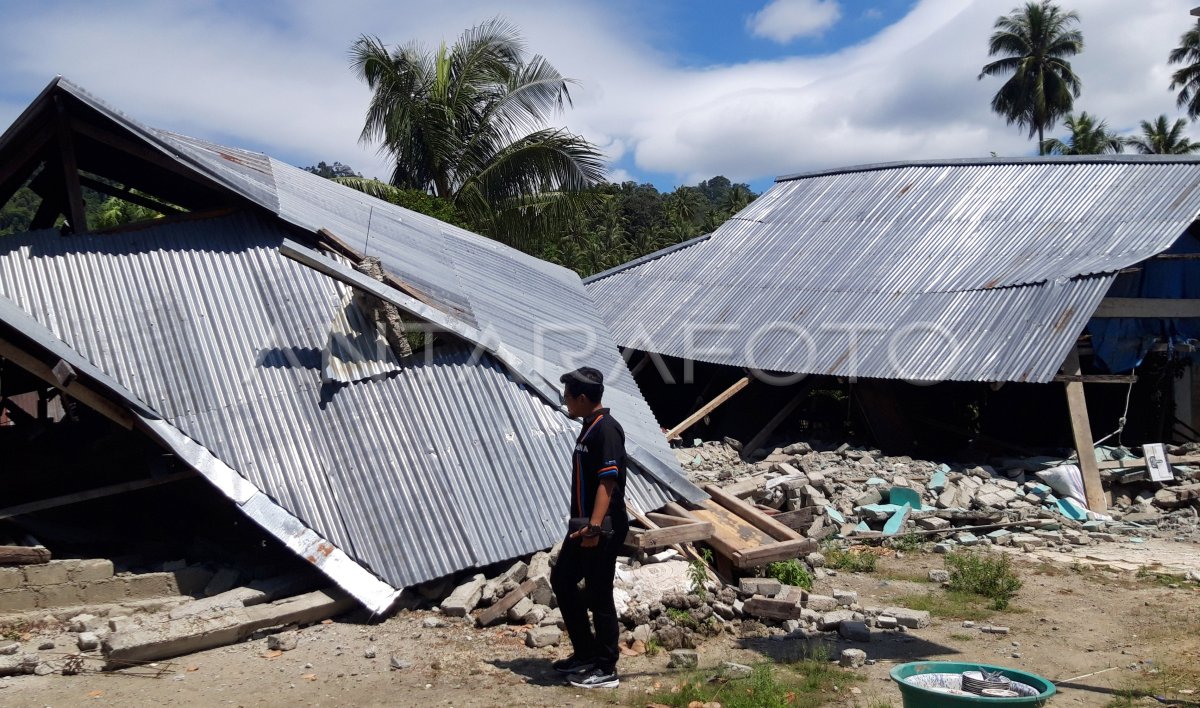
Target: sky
[(673, 91)]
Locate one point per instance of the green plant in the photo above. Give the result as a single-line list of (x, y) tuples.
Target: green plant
[(955, 605), (790, 572), (653, 648), (683, 618), (800, 685), (990, 575), (698, 573), (908, 543), (856, 560)]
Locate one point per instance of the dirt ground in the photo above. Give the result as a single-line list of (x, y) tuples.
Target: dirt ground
[(1067, 621)]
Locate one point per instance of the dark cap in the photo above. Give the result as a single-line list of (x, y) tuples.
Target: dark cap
[(584, 380)]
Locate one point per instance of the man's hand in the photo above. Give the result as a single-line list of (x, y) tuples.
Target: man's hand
[(586, 539)]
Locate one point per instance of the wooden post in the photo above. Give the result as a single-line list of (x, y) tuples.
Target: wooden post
[(708, 407), (76, 211), (1082, 429)]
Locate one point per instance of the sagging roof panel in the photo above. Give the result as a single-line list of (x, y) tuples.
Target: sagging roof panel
[(447, 464), (1006, 259)]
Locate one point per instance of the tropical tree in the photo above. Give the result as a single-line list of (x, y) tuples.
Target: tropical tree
[(1158, 138), (1187, 78), (1088, 137), (1035, 42), (468, 123)]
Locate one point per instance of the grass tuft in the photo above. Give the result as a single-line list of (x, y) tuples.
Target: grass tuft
[(854, 560), (808, 683), (790, 572), (989, 575)]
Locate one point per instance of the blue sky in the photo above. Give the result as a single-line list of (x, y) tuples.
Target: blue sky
[(673, 92)]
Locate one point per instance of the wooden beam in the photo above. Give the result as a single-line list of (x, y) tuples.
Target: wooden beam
[(708, 407), (752, 516), (49, 209), (784, 550), (1097, 378), (76, 390), (17, 168), (776, 420), (24, 555), (127, 194), (665, 520), (657, 538), (76, 210), (88, 495), (1081, 427), (1165, 308), (1135, 463)]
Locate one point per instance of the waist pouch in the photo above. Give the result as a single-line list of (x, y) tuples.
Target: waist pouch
[(578, 522)]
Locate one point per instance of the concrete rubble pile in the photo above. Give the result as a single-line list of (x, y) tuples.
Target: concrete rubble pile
[(855, 492)]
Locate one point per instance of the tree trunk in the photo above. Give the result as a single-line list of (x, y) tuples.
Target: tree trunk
[(1041, 141)]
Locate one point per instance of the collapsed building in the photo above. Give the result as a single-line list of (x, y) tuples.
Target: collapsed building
[(390, 427), (992, 275)]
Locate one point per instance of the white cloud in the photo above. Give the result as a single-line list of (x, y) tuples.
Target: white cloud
[(785, 20), (282, 84)]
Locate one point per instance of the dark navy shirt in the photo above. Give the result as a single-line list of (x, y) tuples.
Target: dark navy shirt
[(599, 454)]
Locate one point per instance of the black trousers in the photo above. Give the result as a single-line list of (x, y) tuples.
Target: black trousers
[(596, 567)]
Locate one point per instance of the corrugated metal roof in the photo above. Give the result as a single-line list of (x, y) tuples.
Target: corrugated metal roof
[(444, 465), (537, 309), (1006, 259)]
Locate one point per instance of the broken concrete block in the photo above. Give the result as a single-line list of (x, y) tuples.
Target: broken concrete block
[(831, 620), (733, 670), (994, 630), (820, 603), (222, 602), (10, 649), (771, 608), (516, 573), (284, 641), (683, 659), (769, 587), (939, 576), (869, 497), (87, 641), (464, 598), (539, 637), (519, 610), (933, 523), (913, 619), (17, 665), (854, 631), (886, 622), (845, 598), (91, 570), (541, 593), (85, 623), (852, 658)]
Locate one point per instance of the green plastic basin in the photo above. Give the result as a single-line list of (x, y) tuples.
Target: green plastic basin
[(919, 697)]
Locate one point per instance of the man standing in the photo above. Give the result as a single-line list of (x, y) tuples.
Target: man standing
[(589, 552)]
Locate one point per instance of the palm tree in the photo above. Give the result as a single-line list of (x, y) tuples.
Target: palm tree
[(1188, 54), (1160, 139), (467, 123), (1035, 42), (1088, 137)]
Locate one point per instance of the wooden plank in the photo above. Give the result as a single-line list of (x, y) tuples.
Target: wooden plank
[(776, 420), (1097, 378), (730, 534), (657, 538), (97, 493), (760, 521), (24, 555), (127, 194), (76, 390), (1136, 463), (748, 486), (1153, 307), (797, 520), (16, 169), (76, 210), (661, 520), (1081, 427), (708, 407), (494, 613), (784, 550)]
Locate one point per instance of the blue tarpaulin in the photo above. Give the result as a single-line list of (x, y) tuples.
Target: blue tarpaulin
[(1120, 343)]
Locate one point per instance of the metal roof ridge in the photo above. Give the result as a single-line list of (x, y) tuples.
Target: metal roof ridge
[(654, 255), (1049, 160)]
